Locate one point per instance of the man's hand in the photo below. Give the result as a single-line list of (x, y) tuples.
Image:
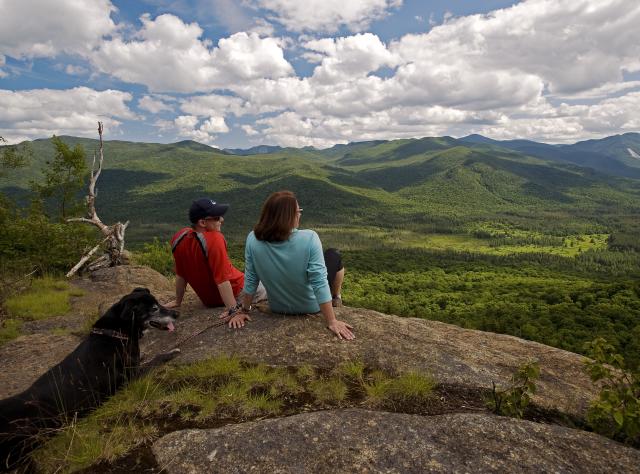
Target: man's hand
[(342, 330), (171, 304), (238, 320)]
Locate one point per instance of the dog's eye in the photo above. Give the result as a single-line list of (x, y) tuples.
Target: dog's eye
[(155, 307)]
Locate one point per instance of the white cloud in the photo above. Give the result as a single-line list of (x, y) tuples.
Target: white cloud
[(153, 105), (74, 70), (42, 112), (44, 28), (168, 55), (249, 130), (616, 115), (487, 73), (348, 58), (603, 91), (327, 15), (205, 105), (2, 63), (188, 126), (571, 45), (214, 125)]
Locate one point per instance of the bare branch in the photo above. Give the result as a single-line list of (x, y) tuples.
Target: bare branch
[(113, 234), (84, 259), (80, 219)]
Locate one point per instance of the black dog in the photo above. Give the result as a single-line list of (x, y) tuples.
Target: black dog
[(106, 359)]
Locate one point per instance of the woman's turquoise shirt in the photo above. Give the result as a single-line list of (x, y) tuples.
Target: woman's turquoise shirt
[(293, 272)]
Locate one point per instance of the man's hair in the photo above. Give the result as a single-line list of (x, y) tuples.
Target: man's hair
[(277, 218)]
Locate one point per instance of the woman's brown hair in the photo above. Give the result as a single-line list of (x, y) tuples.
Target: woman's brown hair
[(277, 218)]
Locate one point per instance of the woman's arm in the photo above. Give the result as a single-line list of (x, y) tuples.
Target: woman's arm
[(317, 275), (339, 328)]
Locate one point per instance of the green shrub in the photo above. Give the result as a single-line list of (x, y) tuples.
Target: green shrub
[(513, 400), (33, 241), (616, 411), (156, 255)]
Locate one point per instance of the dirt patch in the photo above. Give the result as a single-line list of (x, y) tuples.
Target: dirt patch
[(26, 358)]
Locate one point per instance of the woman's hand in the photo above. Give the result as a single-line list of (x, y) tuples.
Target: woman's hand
[(341, 329)]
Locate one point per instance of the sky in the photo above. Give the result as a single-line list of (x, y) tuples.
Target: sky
[(239, 73)]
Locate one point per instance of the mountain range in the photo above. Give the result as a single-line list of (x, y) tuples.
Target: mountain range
[(418, 182)]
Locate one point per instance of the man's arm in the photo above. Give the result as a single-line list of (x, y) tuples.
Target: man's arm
[(226, 293), (181, 286)]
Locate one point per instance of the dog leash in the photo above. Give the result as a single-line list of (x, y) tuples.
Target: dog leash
[(200, 331)]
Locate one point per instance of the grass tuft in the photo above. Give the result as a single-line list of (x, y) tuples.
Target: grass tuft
[(209, 369), (45, 298), (377, 388), (305, 373), (85, 443), (221, 389), (352, 371), (261, 404), (10, 330), (330, 391), (412, 386)]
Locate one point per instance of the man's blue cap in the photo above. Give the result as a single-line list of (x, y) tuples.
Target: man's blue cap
[(205, 207)]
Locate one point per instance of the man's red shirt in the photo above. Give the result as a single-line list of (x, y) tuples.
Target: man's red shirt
[(205, 273)]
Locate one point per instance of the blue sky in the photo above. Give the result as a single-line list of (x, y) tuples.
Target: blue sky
[(237, 73)]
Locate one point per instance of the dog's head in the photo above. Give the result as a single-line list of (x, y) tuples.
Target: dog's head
[(137, 311)]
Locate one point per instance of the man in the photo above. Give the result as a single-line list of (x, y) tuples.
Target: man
[(201, 259)]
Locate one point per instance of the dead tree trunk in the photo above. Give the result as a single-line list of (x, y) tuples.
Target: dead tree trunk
[(113, 234)]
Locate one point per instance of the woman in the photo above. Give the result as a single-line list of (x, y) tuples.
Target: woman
[(290, 264)]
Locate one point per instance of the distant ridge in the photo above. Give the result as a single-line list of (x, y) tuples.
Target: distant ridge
[(255, 150), (196, 146), (610, 155)]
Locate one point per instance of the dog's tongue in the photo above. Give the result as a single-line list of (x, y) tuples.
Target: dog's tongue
[(170, 327)]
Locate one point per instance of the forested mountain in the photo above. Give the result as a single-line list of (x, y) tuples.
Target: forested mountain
[(369, 183), (616, 155)]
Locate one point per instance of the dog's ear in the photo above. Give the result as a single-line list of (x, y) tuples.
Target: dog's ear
[(141, 290)]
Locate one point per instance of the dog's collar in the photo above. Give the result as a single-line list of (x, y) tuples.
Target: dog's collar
[(110, 333)]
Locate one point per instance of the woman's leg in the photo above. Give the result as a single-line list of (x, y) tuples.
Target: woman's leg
[(335, 274)]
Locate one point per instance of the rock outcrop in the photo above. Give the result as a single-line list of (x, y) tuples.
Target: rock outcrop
[(455, 356), (355, 440), (349, 440)]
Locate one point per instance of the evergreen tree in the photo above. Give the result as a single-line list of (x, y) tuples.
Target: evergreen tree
[(64, 177)]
